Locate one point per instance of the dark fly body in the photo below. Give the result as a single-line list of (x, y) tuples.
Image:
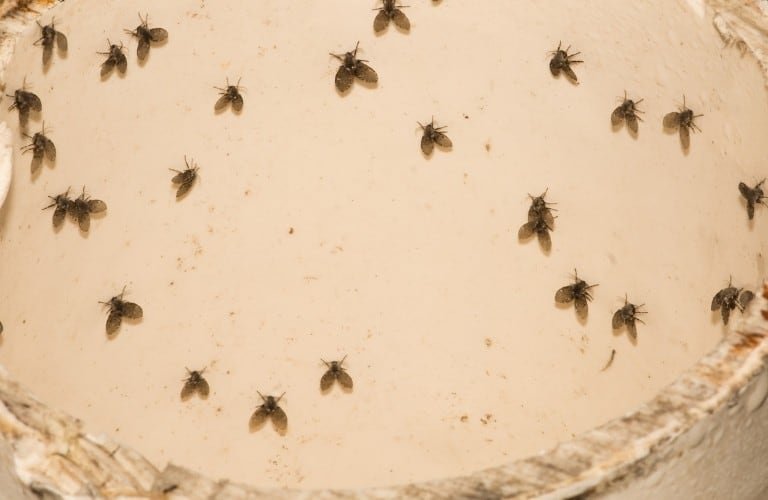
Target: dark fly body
[(25, 101), (627, 112), (351, 68), (579, 293), (627, 316), (229, 95), (390, 11), (562, 61), (185, 178), (81, 209), (541, 229), (335, 372), (119, 309), (269, 409), (115, 59), (195, 383), (730, 298), (433, 135), (41, 147), (48, 38), (61, 202), (146, 36), (754, 196), (683, 121)]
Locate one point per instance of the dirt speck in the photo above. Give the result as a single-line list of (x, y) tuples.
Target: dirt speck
[(488, 342), (487, 419), (464, 418), (290, 230), (488, 146)]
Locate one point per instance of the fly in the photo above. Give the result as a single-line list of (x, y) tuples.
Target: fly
[(351, 68), (269, 409), (754, 196), (540, 209), (61, 202), (50, 37), (628, 112), (81, 209), (627, 316), (229, 94), (115, 59), (335, 372), (561, 61), (119, 309), (391, 12), (683, 120), (578, 293), (41, 147), (433, 135), (194, 383), (730, 298), (185, 178), (146, 36), (25, 101)]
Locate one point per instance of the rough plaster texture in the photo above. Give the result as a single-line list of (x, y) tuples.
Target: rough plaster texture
[(705, 436)]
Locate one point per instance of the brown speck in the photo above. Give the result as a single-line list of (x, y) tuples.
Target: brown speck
[(171, 283), (247, 192), (464, 418), (488, 342), (488, 418), (466, 116), (231, 313), (290, 230), (488, 146)]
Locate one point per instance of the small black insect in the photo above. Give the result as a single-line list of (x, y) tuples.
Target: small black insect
[(753, 196), (627, 316), (540, 208), (731, 298), (50, 37), (578, 293), (185, 178), (194, 383), (62, 203), (115, 59), (41, 146), (229, 94), (81, 209), (335, 372), (561, 61), (627, 111), (433, 135), (25, 101), (269, 408), (119, 309), (683, 120), (390, 12), (146, 36), (352, 67), (539, 227)]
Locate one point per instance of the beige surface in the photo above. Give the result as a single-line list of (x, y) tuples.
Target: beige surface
[(406, 264)]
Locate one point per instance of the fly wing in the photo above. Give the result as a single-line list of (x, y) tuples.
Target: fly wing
[(344, 79), (745, 298), (258, 418), (131, 310), (564, 295), (545, 240), (570, 73), (122, 62), (381, 21), (685, 137), (58, 216), (427, 144), (221, 103), (345, 380), (237, 103), (61, 41), (554, 67), (401, 20), (96, 206), (750, 209), (178, 178), (326, 381), (442, 140), (279, 419), (745, 190), (187, 390), (526, 230), (203, 388), (23, 117), (114, 320), (84, 220), (549, 219), (34, 102), (37, 162), (143, 49), (632, 329), (618, 320), (725, 311), (672, 120), (717, 300), (632, 123), (582, 308), (158, 34), (47, 53), (50, 149), (617, 116), (107, 66), (184, 188), (366, 73)]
